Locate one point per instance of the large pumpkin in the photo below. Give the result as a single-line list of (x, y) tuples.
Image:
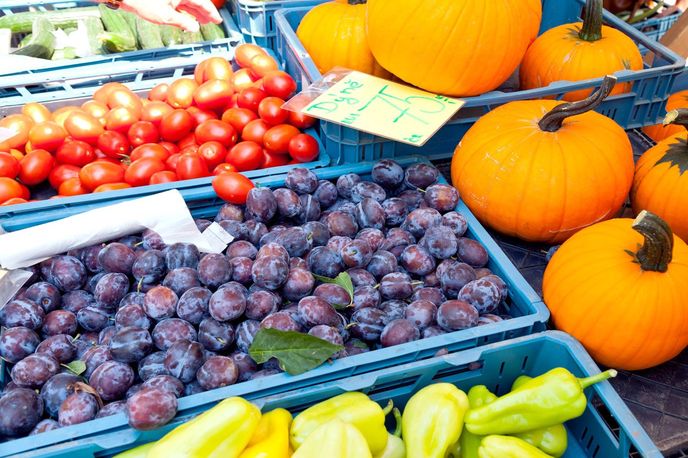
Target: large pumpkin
[(620, 287), (541, 170), (334, 34), (580, 51), (659, 132), (661, 177), (452, 47)]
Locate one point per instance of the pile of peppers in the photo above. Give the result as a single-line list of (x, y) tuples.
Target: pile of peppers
[(439, 421)]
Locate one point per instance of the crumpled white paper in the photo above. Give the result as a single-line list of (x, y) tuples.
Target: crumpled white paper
[(165, 213)]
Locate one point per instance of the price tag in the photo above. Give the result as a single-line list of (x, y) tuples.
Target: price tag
[(381, 107)]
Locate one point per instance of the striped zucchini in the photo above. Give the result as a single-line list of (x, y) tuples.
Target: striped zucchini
[(23, 22), (42, 43), (170, 35), (191, 37), (212, 32), (130, 19), (24, 41), (94, 28), (115, 42), (149, 34)]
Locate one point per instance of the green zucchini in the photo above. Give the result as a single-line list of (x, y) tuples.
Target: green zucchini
[(149, 34), (64, 53), (24, 41), (115, 42), (23, 22), (191, 37), (94, 28), (212, 32), (114, 22), (170, 35), (42, 43), (130, 19)]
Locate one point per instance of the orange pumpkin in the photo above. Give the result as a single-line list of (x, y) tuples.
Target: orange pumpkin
[(659, 132), (580, 51), (661, 177), (541, 170), (620, 288)]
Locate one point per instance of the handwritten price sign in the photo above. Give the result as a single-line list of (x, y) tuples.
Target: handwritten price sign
[(384, 108)]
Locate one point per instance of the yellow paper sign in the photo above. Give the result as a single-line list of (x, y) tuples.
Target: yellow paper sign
[(381, 107)]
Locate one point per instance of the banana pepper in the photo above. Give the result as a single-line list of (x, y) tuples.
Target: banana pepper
[(221, 432), (271, 437), (334, 439), (550, 399), (432, 420), (508, 447), (478, 396), (395, 446), (354, 408)]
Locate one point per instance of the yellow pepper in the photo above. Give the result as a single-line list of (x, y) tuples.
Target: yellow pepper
[(271, 438), (137, 452), (508, 447), (334, 439)]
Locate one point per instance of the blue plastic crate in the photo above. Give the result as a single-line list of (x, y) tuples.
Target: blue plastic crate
[(529, 315), (642, 106), (655, 27), (607, 429)]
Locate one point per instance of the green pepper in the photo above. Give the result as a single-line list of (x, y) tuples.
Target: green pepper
[(334, 439), (508, 447), (395, 446), (550, 399), (432, 420), (354, 408), (478, 396)]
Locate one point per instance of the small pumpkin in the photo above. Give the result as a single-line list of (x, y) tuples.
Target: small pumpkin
[(541, 170), (580, 51), (334, 34), (659, 132), (620, 288), (661, 177), (459, 48)]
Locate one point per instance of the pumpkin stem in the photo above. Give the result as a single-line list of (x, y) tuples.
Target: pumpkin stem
[(592, 21), (655, 253), (553, 120), (678, 117), (356, 2)]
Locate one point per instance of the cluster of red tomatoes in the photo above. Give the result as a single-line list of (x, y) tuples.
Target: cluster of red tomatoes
[(220, 121)]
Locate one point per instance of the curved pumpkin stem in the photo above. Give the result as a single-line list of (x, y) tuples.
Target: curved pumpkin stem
[(656, 252), (354, 2), (553, 120), (592, 21), (678, 117)]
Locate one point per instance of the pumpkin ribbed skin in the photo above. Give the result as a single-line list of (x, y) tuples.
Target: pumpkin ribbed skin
[(334, 34), (459, 48), (542, 186), (658, 132), (627, 318)]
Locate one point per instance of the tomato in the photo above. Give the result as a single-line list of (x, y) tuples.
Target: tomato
[(216, 130), (234, 101), (150, 151), (270, 110), (112, 187), (261, 65), (170, 147), (113, 144), (120, 119), (102, 94), (10, 189), (36, 166), (82, 126), (172, 161), (37, 112), (14, 201), (159, 92), (140, 171), (123, 97), (199, 72), (274, 160), (213, 95), (219, 3), (18, 155), (9, 166), (21, 125), (62, 173), (242, 79), (304, 148), (199, 115), (61, 114), (71, 187), (250, 98), (238, 117), (213, 153), (180, 94), (189, 140), (232, 187), (96, 109), (190, 166), (245, 53), (258, 84), (279, 84), (155, 111), (100, 172), (166, 176), (255, 131), (176, 125), (143, 132), (224, 168), (75, 152), (246, 156), (300, 120), (47, 135), (276, 140), (215, 68)]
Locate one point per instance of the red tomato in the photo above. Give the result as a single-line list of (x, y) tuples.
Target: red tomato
[(159, 92), (141, 170), (232, 187), (242, 79), (234, 101), (14, 201), (255, 131), (112, 187), (82, 126), (102, 94), (250, 98), (123, 97), (213, 95), (216, 130), (180, 94), (199, 72), (270, 110), (304, 148), (100, 172), (166, 176), (71, 187), (10, 189), (120, 119), (62, 173), (172, 162), (189, 140), (151, 151), (199, 116), (47, 135), (61, 114), (75, 152), (96, 109), (9, 166), (155, 111), (113, 144), (224, 168), (274, 160), (245, 53), (259, 84), (213, 153), (191, 166), (170, 147), (176, 125), (37, 112), (246, 156), (276, 140), (21, 125), (238, 117), (300, 120), (279, 84), (36, 166), (143, 132), (261, 65), (219, 3), (215, 68)]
